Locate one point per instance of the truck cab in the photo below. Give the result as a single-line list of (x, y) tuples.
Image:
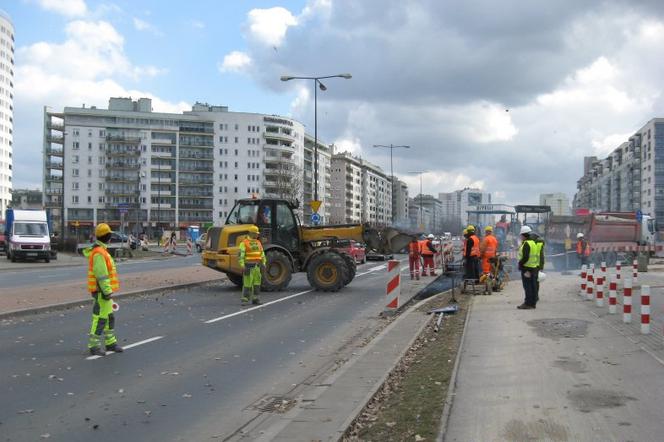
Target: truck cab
[(648, 230), (27, 235)]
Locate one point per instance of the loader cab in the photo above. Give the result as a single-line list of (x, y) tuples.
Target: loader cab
[(275, 219)]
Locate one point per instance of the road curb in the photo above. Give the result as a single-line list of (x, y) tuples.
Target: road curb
[(82, 302), (447, 408)]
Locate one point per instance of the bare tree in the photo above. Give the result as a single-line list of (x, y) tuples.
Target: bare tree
[(284, 180)]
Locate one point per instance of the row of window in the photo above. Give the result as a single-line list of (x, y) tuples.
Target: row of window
[(224, 126)]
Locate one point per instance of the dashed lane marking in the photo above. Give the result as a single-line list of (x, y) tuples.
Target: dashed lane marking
[(127, 347)]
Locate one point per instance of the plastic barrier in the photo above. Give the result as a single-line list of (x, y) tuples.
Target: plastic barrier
[(599, 293), (393, 289), (613, 300), (627, 301), (645, 309)]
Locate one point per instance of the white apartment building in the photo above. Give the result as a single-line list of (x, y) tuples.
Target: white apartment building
[(559, 203), (146, 171), (376, 195), (6, 109), (324, 183), (455, 205), (399, 203), (631, 178), (346, 180)]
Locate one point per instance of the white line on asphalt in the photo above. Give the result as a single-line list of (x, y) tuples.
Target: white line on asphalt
[(127, 347), (241, 312)]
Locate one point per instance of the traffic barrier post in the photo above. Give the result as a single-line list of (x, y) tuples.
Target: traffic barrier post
[(635, 273), (393, 289), (627, 301), (613, 286), (189, 246), (602, 267), (599, 297), (584, 277), (589, 286), (645, 309), (618, 269)]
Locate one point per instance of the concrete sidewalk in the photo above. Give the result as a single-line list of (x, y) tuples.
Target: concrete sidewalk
[(557, 373)]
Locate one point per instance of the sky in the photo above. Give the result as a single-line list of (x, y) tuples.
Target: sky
[(506, 96)]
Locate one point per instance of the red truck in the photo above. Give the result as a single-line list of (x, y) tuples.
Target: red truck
[(612, 236)]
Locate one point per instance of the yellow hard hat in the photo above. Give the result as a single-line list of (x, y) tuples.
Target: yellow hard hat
[(253, 229), (488, 229), (470, 228), (465, 231), (102, 229)]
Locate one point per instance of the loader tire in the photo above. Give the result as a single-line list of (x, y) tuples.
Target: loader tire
[(327, 272), (235, 279), (352, 267), (278, 272)]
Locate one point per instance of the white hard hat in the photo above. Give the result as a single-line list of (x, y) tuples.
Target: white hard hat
[(524, 230), (579, 235), (430, 236)]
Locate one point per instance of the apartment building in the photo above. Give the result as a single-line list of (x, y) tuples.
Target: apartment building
[(6, 109), (559, 203), (455, 205), (400, 203), (141, 170), (324, 183), (431, 206), (361, 191), (631, 178)]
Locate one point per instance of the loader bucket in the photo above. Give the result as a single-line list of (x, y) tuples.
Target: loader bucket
[(387, 240)]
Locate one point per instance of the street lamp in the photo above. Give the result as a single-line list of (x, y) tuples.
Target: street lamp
[(317, 84), (391, 147), (420, 172)]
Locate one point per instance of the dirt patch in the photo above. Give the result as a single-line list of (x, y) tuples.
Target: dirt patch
[(541, 429), (410, 402), (571, 365), (556, 328), (588, 400)]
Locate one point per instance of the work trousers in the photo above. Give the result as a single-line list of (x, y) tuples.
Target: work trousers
[(251, 281), (103, 323), (414, 264), (530, 286), (486, 265), (428, 262), (472, 269)]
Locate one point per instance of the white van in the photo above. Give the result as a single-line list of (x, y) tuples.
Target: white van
[(27, 235)]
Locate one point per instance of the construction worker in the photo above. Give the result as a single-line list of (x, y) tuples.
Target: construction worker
[(488, 249), (529, 263), (428, 250), (252, 259), (102, 284), (472, 254), (414, 258), (582, 248)]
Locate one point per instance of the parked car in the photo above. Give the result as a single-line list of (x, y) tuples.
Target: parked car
[(354, 249), (200, 242), (373, 255)]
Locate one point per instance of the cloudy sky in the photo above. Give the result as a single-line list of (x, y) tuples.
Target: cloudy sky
[(507, 96)]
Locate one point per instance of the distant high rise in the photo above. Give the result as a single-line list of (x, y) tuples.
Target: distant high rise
[(6, 108), (559, 203)]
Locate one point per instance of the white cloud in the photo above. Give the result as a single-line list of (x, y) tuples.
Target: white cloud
[(269, 26), (69, 8), (197, 24), (142, 25), (235, 61)]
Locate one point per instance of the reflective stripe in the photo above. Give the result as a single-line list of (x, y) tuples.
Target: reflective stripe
[(424, 248), (93, 281), (253, 250)]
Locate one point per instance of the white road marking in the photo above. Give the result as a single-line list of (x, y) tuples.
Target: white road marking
[(241, 312), (127, 347)]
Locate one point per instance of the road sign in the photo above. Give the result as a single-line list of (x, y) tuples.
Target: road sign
[(315, 218), (315, 205)]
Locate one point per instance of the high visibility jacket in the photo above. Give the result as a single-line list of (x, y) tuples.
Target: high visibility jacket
[(414, 249), (251, 251), (489, 246), (583, 248), (424, 247), (533, 261), (475, 251), (540, 249), (102, 275), (463, 247)]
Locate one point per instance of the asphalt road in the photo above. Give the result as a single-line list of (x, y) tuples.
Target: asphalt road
[(207, 363), (28, 277)]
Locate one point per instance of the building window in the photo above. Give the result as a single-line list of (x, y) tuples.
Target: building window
[(75, 145), (74, 172), (75, 159), (74, 199), (90, 200), (237, 127), (235, 190), (74, 185), (236, 140)]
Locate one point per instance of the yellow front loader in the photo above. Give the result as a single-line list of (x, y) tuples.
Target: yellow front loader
[(291, 247)]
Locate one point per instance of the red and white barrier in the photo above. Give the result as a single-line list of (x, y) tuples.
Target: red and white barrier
[(602, 267), (599, 293), (393, 289), (589, 285), (627, 301), (616, 247), (613, 286), (584, 277), (635, 272), (189, 246), (645, 309), (618, 269), (167, 246)]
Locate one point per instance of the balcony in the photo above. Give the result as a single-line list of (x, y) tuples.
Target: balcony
[(202, 194), (196, 156), (55, 126), (196, 182), (54, 178), (54, 165), (123, 153), (55, 139), (124, 166), (199, 169), (197, 130), (55, 152), (190, 206), (121, 179), (56, 191), (123, 139)]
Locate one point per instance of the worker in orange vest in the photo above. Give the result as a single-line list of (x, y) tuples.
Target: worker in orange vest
[(472, 254), (414, 258), (488, 248), (582, 248), (427, 250)]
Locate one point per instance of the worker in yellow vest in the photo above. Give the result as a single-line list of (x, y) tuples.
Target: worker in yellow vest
[(252, 259), (529, 265), (103, 283)]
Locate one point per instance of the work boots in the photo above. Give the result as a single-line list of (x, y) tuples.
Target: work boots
[(115, 348), (96, 351)]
